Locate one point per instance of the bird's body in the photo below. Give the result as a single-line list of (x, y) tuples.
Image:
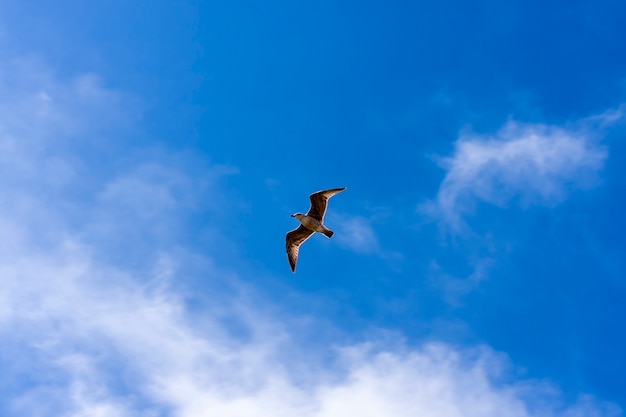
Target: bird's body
[(310, 223)]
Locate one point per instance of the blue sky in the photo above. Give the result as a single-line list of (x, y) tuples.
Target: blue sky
[(151, 155)]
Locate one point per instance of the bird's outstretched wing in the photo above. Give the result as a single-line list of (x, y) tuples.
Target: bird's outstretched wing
[(294, 240), (319, 201)]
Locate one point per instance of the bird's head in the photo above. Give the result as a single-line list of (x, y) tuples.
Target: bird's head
[(297, 215)]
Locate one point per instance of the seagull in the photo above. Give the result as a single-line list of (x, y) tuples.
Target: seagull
[(311, 222)]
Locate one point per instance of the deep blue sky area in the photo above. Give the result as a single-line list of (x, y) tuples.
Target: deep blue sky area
[(481, 144)]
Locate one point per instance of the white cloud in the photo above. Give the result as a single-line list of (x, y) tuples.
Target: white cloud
[(84, 336), (525, 163), (95, 326)]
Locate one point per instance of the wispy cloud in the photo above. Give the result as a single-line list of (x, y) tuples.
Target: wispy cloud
[(113, 340), (356, 233), (522, 163), (454, 288)]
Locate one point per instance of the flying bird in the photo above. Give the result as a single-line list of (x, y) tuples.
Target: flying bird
[(310, 223)]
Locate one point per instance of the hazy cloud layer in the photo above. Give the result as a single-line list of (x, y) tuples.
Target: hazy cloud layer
[(114, 346)]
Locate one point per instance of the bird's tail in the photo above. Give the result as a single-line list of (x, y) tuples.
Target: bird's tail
[(328, 233)]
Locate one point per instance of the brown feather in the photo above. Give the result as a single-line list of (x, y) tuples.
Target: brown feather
[(293, 242), (319, 201)]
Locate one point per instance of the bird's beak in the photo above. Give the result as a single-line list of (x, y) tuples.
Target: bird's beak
[(293, 215)]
